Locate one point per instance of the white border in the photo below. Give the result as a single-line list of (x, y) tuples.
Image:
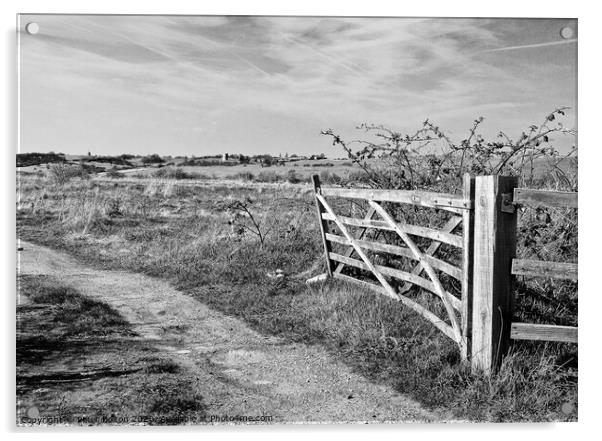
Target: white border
[(590, 161)]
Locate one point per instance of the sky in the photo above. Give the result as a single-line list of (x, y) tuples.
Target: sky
[(204, 85)]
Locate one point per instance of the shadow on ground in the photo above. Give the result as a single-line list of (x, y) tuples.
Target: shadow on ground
[(79, 362)]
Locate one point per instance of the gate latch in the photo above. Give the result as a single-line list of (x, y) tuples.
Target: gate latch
[(507, 204)]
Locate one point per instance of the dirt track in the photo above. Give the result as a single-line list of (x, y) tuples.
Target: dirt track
[(244, 373)]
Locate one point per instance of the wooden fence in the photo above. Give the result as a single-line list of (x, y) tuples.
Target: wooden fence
[(477, 318), (556, 270)]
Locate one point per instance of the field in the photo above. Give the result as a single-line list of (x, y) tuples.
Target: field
[(333, 170), (252, 264), (303, 168)]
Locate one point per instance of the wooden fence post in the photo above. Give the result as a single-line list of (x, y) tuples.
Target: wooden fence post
[(323, 225), (494, 249), (467, 266)]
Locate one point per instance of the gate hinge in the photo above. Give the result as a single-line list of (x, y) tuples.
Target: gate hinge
[(507, 204)]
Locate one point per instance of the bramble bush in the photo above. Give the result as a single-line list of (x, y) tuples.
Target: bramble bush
[(429, 159)]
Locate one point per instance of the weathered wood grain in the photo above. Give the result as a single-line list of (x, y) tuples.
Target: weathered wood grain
[(494, 249), (388, 288), (539, 268), (467, 265), (429, 233), (400, 251), (549, 198), (361, 234), (414, 197), (449, 227), (531, 331), (445, 296), (323, 225), (397, 274)]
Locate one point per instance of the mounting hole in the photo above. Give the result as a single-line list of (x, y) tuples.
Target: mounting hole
[(33, 412), (567, 408), (566, 32), (32, 28)]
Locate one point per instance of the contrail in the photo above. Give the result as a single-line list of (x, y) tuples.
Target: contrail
[(337, 60), (117, 34), (170, 56), (528, 46)]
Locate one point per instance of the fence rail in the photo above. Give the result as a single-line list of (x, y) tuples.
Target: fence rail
[(546, 269), (540, 268), (532, 331), (549, 198), (480, 319)]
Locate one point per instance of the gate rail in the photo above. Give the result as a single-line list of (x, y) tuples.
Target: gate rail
[(480, 320), (455, 323)]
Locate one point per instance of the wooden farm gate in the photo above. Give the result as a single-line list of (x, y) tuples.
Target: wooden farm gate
[(479, 317), (455, 324)]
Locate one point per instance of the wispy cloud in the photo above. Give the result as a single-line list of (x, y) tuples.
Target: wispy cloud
[(203, 84)]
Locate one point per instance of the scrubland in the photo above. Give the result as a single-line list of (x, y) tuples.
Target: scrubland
[(202, 241)]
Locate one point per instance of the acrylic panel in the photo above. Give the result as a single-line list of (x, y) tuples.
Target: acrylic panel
[(276, 220)]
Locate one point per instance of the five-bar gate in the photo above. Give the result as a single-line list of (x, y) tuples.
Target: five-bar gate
[(455, 323), (478, 316)]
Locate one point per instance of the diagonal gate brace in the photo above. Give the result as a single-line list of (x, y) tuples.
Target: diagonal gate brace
[(449, 227)]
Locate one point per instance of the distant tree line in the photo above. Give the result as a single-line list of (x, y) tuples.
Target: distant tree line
[(28, 159)]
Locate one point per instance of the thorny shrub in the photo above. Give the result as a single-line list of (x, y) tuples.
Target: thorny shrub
[(429, 159), (396, 161)]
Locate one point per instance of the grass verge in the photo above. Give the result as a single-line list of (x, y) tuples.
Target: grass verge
[(183, 236)]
